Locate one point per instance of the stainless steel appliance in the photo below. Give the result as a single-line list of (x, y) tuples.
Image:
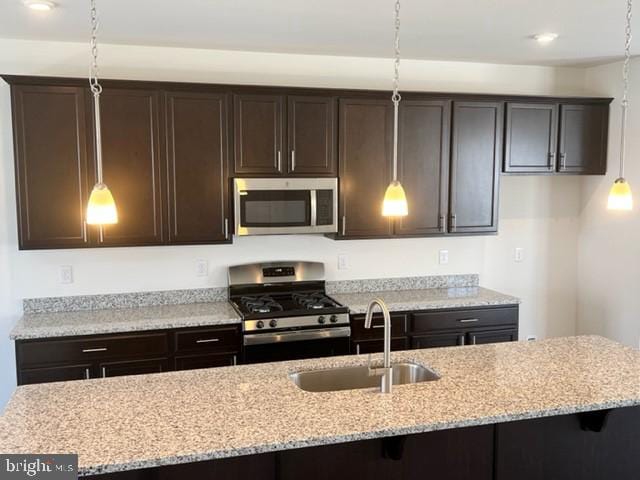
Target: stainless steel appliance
[(286, 312), (266, 206)]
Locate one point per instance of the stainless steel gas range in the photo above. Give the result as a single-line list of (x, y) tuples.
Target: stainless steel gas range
[(286, 312)]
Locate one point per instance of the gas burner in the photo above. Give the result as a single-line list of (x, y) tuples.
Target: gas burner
[(260, 304), (313, 300)]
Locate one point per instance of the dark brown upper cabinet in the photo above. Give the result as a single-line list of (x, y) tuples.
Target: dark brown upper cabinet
[(547, 138), (261, 147), (52, 178), (583, 139), (423, 159), (476, 154), (531, 137), (197, 156), (259, 134), (132, 165), (312, 136), (366, 136)]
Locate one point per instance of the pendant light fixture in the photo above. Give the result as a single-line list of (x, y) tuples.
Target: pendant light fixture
[(620, 197), (101, 209), (395, 200)]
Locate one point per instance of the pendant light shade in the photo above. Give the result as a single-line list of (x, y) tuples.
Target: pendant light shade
[(395, 201), (620, 197), (101, 209)]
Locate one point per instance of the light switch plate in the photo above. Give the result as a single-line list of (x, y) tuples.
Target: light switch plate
[(443, 257), (518, 254), (343, 262), (202, 267), (66, 274)]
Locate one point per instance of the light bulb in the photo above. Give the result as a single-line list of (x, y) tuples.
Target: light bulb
[(620, 197), (40, 5), (395, 201), (101, 209)]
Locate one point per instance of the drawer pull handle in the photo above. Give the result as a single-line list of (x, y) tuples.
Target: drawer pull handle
[(208, 340), (91, 350), (378, 326), (469, 320)]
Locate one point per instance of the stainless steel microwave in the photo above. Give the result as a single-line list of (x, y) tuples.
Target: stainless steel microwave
[(267, 206)]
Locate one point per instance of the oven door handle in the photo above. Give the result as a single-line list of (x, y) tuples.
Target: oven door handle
[(282, 337)]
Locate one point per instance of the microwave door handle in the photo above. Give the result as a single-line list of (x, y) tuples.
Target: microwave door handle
[(314, 207)]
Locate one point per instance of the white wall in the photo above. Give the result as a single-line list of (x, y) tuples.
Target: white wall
[(537, 213), (609, 242)]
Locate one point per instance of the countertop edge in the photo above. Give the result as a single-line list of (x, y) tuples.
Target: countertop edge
[(321, 441)]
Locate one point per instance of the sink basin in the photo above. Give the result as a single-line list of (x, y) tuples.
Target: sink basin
[(351, 378)]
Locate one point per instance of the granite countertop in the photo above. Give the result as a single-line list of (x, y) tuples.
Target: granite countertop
[(132, 422), (62, 324), (427, 299)]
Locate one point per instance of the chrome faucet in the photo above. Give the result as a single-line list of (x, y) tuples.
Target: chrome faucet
[(387, 371)]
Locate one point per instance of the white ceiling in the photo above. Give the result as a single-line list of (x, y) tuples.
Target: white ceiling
[(591, 31)]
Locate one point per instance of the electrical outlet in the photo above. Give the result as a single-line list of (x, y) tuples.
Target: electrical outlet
[(343, 262), (443, 257), (518, 254), (531, 338), (202, 267), (66, 274)]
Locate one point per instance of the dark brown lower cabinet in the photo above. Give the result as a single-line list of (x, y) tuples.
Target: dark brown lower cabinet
[(192, 362), (448, 339), (492, 336), (133, 367), (600, 445), (61, 373), (374, 346)]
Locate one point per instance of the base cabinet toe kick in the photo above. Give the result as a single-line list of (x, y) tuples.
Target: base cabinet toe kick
[(597, 445), (100, 356)]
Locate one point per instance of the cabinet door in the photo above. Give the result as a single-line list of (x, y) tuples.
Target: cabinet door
[(192, 362), (374, 346), (530, 144), (61, 373), (133, 367), (492, 336), (51, 165), (258, 133), (132, 165), (312, 136), (583, 138), (476, 151), (423, 165), (197, 155), (366, 136), (450, 339)]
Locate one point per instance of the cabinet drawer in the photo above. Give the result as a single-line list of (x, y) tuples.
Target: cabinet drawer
[(445, 320), (208, 339), (399, 325), (54, 374), (192, 362), (375, 346), (97, 347)]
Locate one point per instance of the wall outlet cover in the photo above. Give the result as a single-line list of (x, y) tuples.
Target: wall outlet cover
[(202, 267), (66, 274), (343, 262), (532, 338), (443, 257), (518, 254)]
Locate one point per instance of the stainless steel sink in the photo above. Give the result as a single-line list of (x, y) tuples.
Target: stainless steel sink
[(351, 378)]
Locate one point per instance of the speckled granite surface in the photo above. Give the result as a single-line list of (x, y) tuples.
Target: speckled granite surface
[(122, 300), (125, 423), (427, 299), (63, 324), (403, 283)]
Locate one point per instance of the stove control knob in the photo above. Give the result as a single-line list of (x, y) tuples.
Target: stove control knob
[(259, 324), (334, 319), (273, 323), (321, 319)]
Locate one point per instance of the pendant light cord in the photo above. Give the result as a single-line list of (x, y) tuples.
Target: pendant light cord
[(96, 88), (625, 91), (396, 95)]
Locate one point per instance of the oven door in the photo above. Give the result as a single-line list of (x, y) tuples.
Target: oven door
[(265, 206), (281, 346)]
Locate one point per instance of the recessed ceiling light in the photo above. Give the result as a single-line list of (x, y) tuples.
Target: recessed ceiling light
[(40, 5), (545, 38)]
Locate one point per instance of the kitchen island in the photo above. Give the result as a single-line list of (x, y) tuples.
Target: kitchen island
[(498, 411)]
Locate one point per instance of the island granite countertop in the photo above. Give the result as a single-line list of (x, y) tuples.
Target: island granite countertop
[(117, 320), (133, 422), (427, 299)]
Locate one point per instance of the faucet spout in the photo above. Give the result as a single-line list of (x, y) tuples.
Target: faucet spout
[(387, 377)]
